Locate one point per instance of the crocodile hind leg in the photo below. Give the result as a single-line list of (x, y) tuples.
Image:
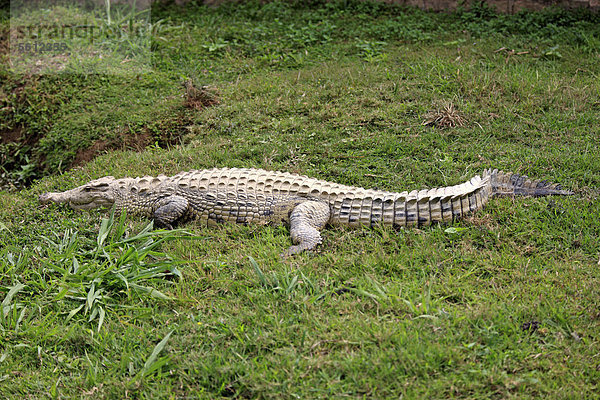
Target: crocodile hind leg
[(306, 220), (169, 211)]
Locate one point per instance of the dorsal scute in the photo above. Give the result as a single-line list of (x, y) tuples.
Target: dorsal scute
[(122, 183), (146, 183), (246, 179)]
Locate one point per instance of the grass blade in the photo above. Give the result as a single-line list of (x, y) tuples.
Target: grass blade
[(8, 298), (261, 275), (151, 291), (73, 312), (101, 318), (149, 364)]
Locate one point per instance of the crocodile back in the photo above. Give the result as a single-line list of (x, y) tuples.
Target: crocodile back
[(350, 205)]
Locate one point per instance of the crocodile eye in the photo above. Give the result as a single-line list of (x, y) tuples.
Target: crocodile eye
[(87, 189)]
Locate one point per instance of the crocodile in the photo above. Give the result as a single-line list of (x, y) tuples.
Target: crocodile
[(306, 204)]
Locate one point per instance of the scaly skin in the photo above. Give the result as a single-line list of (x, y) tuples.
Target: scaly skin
[(307, 204)]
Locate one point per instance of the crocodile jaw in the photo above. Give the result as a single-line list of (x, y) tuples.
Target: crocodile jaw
[(95, 194)]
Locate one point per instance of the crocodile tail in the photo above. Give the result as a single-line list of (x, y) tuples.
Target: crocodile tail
[(443, 204), (509, 184)]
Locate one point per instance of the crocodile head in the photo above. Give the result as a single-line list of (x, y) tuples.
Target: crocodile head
[(94, 194)]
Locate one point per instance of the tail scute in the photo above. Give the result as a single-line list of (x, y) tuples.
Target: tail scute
[(509, 184)]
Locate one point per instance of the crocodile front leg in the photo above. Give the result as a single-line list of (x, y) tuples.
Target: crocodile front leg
[(169, 211), (306, 220)]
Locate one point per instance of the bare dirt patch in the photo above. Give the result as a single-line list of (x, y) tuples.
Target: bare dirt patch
[(136, 142), (11, 135)]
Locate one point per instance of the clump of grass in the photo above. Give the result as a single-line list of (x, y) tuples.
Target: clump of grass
[(92, 277), (445, 117), (201, 97)]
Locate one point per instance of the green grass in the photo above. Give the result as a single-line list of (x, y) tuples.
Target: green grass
[(506, 306)]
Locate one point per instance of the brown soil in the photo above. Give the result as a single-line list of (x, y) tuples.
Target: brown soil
[(11, 135), (136, 142), (85, 155)]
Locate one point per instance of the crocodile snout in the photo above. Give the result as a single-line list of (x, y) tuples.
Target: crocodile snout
[(48, 197)]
